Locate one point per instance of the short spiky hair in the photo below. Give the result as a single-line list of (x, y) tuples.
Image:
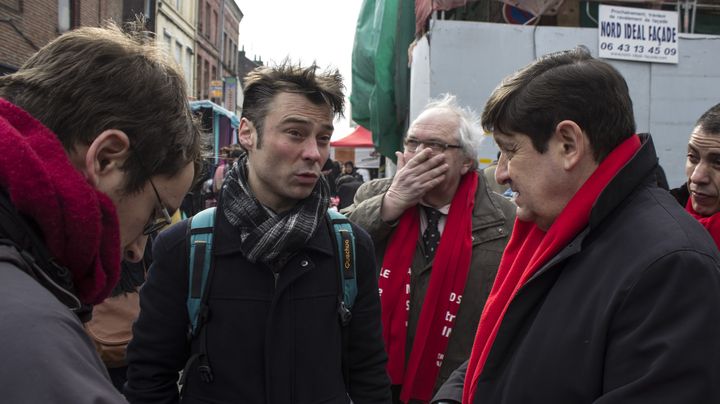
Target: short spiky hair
[(265, 82), (709, 122), (93, 79)]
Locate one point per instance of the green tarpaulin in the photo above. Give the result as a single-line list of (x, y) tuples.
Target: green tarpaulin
[(380, 73)]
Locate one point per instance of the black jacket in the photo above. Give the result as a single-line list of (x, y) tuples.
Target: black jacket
[(626, 313), (269, 341)]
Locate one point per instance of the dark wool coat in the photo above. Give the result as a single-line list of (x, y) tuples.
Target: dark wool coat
[(626, 313), (269, 341)]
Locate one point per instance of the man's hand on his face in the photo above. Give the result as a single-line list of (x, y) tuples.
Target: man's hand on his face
[(414, 177)]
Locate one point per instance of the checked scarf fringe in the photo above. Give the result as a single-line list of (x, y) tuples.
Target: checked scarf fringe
[(266, 236)]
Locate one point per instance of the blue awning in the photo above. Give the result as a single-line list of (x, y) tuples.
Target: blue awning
[(234, 120)]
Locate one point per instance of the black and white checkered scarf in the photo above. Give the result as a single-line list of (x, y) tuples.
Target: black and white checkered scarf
[(266, 236)]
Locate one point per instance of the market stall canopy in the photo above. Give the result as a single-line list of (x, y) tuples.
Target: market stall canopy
[(220, 124), (217, 109), (360, 137)]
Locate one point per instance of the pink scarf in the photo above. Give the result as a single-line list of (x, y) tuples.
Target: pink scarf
[(530, 248), (442, 299), (78, 223)]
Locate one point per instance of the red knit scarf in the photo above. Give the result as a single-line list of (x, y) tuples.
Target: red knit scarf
[(711, 223), (530, 248), (442, 299), (78, 223)]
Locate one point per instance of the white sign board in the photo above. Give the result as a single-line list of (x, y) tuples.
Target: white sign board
[(366, 157), (643, 35)]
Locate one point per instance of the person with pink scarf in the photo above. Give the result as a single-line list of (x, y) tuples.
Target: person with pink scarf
[(98, 149)]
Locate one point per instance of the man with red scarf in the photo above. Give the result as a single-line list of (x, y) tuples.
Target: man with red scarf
[(608, 291), (701, 194), (439, 233), (98, 146)]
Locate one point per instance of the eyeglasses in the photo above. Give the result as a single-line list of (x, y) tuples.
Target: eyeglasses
[(411, 145), (156, 223)]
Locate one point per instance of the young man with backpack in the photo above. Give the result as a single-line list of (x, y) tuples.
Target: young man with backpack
[(98, 144), (255, 304)]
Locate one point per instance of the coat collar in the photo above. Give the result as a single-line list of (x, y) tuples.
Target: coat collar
[(486, 211), (638, 170)]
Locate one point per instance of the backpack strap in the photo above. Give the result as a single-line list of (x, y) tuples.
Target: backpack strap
[(201, 228), (344, 241), (200, 270), (345, 244)]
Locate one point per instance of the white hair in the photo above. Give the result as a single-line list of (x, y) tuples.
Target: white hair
[(469, 130)]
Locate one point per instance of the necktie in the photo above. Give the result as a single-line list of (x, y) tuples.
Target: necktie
[(431, 236)]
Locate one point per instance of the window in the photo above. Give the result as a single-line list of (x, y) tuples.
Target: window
[(214, 77), (188, 65), (178, 53), (214, 38), (207, 20), (64, 16), (148, 9), (206, 76), (14, 5), (199, 78), (224, 48), (200, 19), (168, 42), (233, 57)]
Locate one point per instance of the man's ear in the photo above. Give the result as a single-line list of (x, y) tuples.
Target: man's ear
[(106, 154), (466, 166), (573, 143), (245, 134)]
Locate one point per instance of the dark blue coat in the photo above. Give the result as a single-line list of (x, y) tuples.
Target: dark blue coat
[(267, 342)]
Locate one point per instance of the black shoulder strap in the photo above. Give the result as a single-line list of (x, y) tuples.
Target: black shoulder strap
[(40, 265)]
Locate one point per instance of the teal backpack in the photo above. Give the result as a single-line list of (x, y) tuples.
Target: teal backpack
[(201, 268)]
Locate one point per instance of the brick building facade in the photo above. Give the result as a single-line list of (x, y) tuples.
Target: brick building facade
[(206, 48), (209, 43), (26, 26), (176, 33), (229, 55), (217, 50)]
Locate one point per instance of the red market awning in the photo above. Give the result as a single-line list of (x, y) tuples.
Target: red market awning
[(360, 137)]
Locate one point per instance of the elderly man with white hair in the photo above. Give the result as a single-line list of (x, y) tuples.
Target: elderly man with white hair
[(439, 233)]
